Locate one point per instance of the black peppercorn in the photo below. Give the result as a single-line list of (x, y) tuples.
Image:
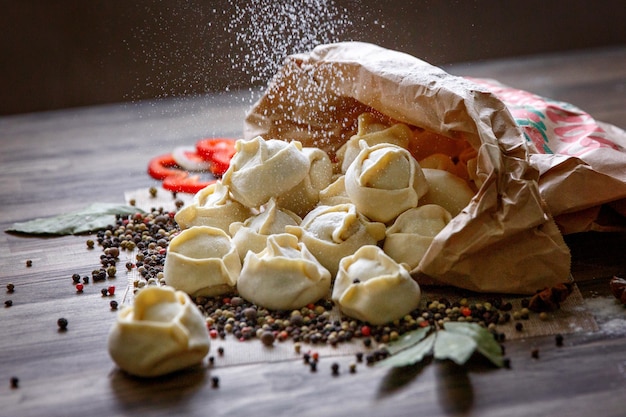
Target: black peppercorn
[(8, 303), (113, 305), (335, 368), (29, 263), (559, 339), (15, 382), (104, 292), (76, 278), (215, 382), (10, 287), (62, 323), (534, 353), (519, 326)]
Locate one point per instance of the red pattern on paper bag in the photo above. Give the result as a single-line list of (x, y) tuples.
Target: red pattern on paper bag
[(552, 127)]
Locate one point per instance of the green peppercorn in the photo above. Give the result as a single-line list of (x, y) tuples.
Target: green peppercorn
[(111, 271), (90, 244), (153, 192)]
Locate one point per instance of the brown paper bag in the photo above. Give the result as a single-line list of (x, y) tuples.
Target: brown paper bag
[(505, 240)]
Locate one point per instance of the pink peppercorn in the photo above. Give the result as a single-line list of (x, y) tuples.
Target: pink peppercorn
[(79, 287), (112, 290)]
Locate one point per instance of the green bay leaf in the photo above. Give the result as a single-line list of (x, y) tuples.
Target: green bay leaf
[(486, 344), (454, 346), (95, 217), (407, 340), (411, 355)]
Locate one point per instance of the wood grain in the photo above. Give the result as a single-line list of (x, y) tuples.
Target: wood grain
[(58, 161)]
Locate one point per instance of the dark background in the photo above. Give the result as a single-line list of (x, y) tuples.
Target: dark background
[(58, 54)]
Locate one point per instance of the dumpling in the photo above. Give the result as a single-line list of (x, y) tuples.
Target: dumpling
[(373, 133), (303, 197), (252, 234), (202, 261), (284, 276), (262, 169), (212, 206), (372, 287), (162, 332), (332, 232), (409, 237), (447, 190), (335, 193), (384, 180)]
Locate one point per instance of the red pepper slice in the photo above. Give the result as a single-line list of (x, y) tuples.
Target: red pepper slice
[(218, 151), (161, 167), (182, 182)]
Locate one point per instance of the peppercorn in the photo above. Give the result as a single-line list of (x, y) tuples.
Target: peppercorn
[(111, 271), (29, 263), (111, 289), (306, 358), (15, 382), (8, 303), (359, 356), (79, 288), (220, 350), (267, 338), (335, 368), (76, 278), (104, 292), (62, 323), (313, 366), (519, 326), (153, 192), (10, 288), (85, 279), (534, 353), (352, 368), (558, 340), (506, 363), (113, 305), (215, 382), (90, 244)]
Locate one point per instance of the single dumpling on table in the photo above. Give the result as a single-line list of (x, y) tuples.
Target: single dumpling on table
[(283, 276), (212, 206), (410, 235), (161, 332), (332, 232), (202, 261), (384, 180), (252, 234), (447, 190), (373, 132), (262, 169), (372, 287), (304, 196)]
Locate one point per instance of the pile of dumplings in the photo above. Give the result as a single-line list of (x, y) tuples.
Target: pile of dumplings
[(287, 226)]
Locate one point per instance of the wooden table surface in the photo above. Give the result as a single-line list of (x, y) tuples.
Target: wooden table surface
[(64, 160)]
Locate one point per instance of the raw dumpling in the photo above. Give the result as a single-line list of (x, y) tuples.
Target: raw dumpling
[(252, 234), (332, 232), (335, 193), (372, 287), (413, 231), (374, 133), (284, 276), (303, 197), (202, 261), (212, 206), (262, 169), (162, 332), (447, 190), (384, 180)]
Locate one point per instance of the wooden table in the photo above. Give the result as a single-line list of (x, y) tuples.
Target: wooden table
[(58, 161)]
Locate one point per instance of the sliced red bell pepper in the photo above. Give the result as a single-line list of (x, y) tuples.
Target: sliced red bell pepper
[(162, 166), (182, 182), (218, 151)]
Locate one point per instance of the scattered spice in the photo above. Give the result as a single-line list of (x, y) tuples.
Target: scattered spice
[(111, 289), (8, 303), (618, 288), (76, 278), (215, 382), (534, 353), (29, 263), (62, 323), (313, 366), (558, 339), (220, 350), (549, 299), (10, 288), (79, 288), (90, 243), (104, 292), (352, 368), (519, 326), (334, 368), (113, 305), (153, 192), (15, 382)]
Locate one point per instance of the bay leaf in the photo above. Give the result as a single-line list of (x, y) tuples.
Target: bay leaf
[(411, 355), (457, 347), (486, 344), (408, 339), (96, 216)]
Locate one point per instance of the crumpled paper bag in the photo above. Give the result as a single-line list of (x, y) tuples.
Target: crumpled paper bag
[(506, 239)]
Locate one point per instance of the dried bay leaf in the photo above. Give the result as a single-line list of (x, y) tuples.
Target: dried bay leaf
[(95, 217)]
